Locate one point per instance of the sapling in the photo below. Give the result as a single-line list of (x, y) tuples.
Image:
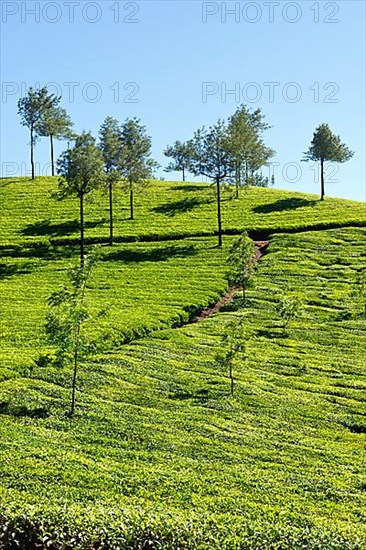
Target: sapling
[(241, 262), (233, 345), (67, 319), (288, 309)]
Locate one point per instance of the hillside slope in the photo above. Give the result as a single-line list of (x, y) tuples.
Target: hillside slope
[(159, 455), (164, 210)]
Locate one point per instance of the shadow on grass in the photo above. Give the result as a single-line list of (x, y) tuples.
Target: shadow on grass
[(8, 270), (21, 411), (283, 204), (180, 207), (236, 304), (47, 228), (190, 187), (274, 333), (159, 254), (42, 251), (200, 396), (355, 427)]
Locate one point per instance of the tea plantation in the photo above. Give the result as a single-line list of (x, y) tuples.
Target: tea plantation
[(159, 454)]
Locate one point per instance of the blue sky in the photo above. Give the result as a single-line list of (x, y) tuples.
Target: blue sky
[(173, 64)]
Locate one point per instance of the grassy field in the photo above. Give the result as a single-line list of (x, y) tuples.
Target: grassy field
[(164, 210), (144, 287), (159, 455)]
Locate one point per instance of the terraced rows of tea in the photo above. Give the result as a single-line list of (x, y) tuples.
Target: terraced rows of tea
[(159, 454)]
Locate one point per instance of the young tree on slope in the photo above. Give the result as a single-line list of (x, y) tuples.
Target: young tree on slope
[(232, 346), (246, 145), (81, 171), (111, 147), (55, 123), (31, 109), (137, 166), (181, 153), (212, 158), (241, 262), (326, 146), (65, 326)]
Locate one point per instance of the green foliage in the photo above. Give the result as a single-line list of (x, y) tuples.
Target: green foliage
[(80, 168), (161, 456), (181, 153), (327, 146), (288, 308), (212, 158), (232, 344), (167, 210), (241, 262), (137, 166), (32, 109), (81, 171), (110, 145), (211, 154), (34, 105), (55, 122), (66, 320), (247, 147)]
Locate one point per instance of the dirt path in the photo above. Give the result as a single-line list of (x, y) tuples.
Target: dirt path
[(260, 249)]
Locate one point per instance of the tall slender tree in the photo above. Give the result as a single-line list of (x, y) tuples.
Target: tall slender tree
[(137, 166), (55, 123), (181, 153), (66, 320), (81, 171), (111, 146), (212, 158), (246, 145), (326, 146), (31, 109)]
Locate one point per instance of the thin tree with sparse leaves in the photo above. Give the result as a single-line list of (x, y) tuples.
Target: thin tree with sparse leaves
[(111, 147), (67, 320), (288, 308), (241, 263), (137, 166), (81, 171), (55, 123), (31, 109), (233, 342), (212, 158), (181, 153)]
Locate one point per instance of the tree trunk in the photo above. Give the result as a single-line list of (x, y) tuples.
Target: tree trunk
[(237, 179), (82, 230), (32, 151), (184, 175), (219, 211), (243, 293), (74, 381), (231, 379), (52, 156), (110, 213), (322, 191), (131, 201)]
